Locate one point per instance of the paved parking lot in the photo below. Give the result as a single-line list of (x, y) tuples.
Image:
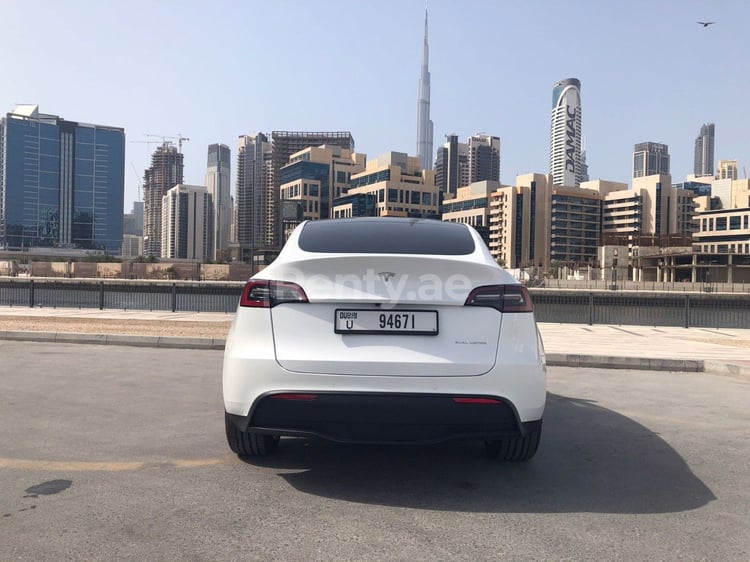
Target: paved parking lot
[(111, 452)]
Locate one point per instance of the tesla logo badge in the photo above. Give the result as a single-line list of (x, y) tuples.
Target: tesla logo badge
[(386, 275)]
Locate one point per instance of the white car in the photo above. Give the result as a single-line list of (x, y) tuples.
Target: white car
[(384, 330)]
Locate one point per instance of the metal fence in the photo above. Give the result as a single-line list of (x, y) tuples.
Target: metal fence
[(662, 286), (711, 310), (174, 296), (643, 309)]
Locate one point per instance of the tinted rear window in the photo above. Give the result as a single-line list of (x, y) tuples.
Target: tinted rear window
[(386, 236)]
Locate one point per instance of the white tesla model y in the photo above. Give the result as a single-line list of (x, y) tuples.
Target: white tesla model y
[(384, 330)]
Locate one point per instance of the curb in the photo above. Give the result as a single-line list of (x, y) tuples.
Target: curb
[(553, 359), (614, 362), (167, 342)]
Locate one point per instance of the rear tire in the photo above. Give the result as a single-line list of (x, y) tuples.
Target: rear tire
[(516, 449), (248, 443)]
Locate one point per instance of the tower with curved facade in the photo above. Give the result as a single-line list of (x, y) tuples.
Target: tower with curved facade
[(565, 133)]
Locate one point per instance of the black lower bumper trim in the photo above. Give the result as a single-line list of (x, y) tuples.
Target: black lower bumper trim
[(384, 418)]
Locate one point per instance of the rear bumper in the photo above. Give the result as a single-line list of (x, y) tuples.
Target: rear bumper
[(387, 418)]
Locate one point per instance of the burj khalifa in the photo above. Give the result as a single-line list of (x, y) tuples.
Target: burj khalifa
[(424, 124)]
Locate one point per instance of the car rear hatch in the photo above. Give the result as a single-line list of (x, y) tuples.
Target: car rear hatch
[(386, 316)]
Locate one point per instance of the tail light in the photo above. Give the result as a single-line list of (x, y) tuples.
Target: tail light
[(267, 294), (505, 298), (475, 400), (294, 397)]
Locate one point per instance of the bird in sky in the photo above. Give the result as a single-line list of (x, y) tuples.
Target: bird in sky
[(705, 23)]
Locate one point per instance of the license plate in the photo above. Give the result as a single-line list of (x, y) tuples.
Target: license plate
[(407, 322)]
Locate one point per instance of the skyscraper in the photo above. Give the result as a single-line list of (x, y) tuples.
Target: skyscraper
[(704, 151), (61, 182), (461, 164), (565, 133), (452, 165), (254, 186), (164, 173), (424, 124), (187, 223), (649, 159), (283, 145), (218, 185), (484, 158), (259, 162)]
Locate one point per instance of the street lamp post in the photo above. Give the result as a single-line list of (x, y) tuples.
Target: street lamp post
[(614, 269)]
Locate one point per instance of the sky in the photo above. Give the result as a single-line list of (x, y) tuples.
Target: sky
[(212, 71)]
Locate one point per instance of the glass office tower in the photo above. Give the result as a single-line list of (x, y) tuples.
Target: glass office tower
[(61, 183)]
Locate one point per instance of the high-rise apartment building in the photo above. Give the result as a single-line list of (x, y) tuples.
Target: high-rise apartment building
[(164, 173), (649, 159), (61, 182), (727, 170), (218, 177), (575, 224), (452, 165), (519, 222), (704, 151), (461, 164), (187, 223), (283, 145), (424, 124), (484, 158), (254, 192), (565, 133)]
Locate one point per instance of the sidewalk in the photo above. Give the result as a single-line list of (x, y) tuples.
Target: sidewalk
[(574, 345)]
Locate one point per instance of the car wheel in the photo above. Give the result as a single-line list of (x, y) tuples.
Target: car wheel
[(248, 443), (516, 449)]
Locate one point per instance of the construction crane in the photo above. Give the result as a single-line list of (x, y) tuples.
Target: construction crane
[(179, 138), (152, 139), (140, 183)]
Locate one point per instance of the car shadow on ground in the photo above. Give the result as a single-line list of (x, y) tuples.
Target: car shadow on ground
[(591, 459)]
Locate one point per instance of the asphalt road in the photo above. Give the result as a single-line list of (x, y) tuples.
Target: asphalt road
[(117, 453)]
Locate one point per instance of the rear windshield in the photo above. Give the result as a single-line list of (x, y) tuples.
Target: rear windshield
[(386, 236)]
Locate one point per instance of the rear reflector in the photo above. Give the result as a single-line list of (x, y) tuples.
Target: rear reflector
[(302, 397), (505, 298), (476, 401), (263, 293)]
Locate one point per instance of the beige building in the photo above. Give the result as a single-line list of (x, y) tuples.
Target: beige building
[(132, 246), (519, 233), (740, 194), (397, 186), (727, 169), (621, 206), (313, 179), (652, 207), (731, 193), (187, 223), (723, 231), (575, 225), (471, 206)]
